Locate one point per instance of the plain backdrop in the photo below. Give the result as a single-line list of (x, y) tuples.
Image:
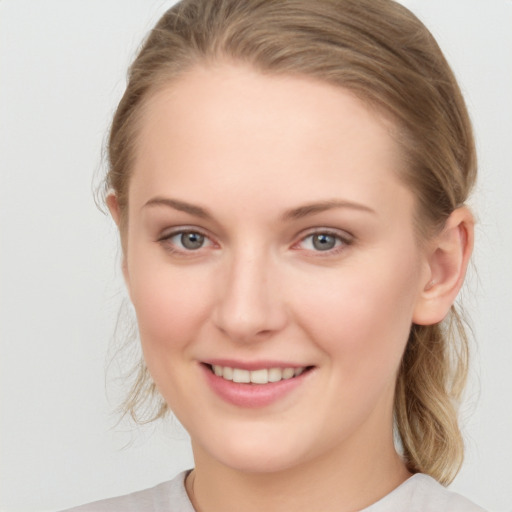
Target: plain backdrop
[(62, 69)]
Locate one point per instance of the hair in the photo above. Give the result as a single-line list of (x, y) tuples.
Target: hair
[(381, 52)]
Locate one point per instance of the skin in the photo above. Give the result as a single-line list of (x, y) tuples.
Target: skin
[(250, 150)]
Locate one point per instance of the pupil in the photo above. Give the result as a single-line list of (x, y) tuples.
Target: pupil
[(192, 240), (323, 242)]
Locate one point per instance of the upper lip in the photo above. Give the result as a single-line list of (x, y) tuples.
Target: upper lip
[(253, 365)]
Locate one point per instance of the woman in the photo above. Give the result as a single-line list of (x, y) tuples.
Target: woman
[(289, 181)]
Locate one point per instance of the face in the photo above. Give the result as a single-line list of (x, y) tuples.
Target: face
[(270, 239)]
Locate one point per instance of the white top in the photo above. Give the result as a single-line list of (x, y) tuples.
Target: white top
[(420, 493)]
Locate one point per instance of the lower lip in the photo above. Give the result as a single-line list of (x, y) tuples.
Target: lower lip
[(252, 395)]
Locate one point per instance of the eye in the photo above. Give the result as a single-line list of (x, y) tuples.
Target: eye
[(185, 241), (323, 241), (190, 240)]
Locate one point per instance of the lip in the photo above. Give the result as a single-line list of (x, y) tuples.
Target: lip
[(252, 365), (252, 395)]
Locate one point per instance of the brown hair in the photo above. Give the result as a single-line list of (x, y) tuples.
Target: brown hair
[(382, 53)]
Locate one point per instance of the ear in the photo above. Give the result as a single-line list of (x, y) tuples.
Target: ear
[(448, 258), (115, 211), (113, 207)]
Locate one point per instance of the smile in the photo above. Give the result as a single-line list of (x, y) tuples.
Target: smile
[(256, 385), (261, 376)]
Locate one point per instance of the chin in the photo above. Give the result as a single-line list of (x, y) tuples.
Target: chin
[(255, 454), (260, 463)]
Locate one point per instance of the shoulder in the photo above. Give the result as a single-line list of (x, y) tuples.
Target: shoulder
[(421, 493), (168, 496)]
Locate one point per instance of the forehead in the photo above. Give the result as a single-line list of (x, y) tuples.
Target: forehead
[(230, 128)]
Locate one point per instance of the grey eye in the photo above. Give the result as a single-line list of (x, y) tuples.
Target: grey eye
[(191, 240), (323, 241)]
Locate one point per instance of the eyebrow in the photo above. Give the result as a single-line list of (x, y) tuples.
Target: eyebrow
[(292, 214), (322, 206), (181, 206)]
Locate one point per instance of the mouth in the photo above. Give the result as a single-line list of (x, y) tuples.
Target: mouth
[(255, 384), (259, 376)]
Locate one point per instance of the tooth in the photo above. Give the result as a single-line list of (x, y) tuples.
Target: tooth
[(227, 373), (241, 375), (288, 373), (259, 376), (262, 376), (275, 374)]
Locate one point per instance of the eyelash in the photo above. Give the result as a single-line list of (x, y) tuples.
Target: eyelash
[(166, 241), (341, 241)]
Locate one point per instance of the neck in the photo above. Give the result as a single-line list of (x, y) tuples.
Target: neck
[(350, 478)]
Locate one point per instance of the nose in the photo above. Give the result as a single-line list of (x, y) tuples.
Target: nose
[(250, 306)]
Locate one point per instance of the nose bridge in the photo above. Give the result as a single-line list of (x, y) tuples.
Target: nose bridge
[(249, 303)]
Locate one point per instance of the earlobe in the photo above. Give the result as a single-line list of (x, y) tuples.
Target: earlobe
[(448, 259)]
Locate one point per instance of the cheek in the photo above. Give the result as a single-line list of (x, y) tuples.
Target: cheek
[(362, 317), (170, 303)]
